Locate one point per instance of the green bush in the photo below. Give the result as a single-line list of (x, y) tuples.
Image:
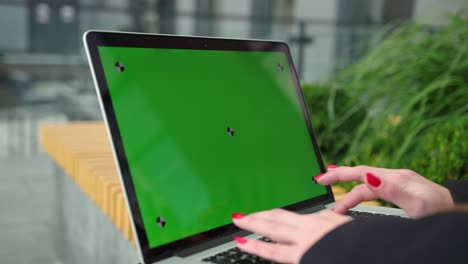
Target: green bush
[(398, 103), (334, 118), (444, 151)]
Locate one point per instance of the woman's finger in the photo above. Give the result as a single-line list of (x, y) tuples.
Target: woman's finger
[(347, 174), (278, 215), (392, 188), (280, 232), (354, 197), (272, 251)]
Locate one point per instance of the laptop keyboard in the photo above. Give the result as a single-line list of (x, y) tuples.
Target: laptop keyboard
[(359, 214), (234, 255)]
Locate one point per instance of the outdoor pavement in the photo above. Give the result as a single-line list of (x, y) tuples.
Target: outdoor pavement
[(26, 210)]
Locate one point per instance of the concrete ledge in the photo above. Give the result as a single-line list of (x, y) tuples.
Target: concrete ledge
[(83, 152), (82, 233)]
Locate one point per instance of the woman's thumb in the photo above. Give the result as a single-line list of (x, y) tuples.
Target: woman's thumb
[(373, 180), (387, 188)]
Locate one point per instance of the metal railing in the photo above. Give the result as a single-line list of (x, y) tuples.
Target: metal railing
[(19, 131)]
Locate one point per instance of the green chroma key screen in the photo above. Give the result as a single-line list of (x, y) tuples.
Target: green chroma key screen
[(207, 133)]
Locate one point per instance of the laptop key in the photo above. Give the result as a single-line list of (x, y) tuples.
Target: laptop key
[(235, 255), (360, 214), (244, 261)]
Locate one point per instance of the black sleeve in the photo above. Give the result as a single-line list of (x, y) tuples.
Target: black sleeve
[(440, 238), (459, 190)]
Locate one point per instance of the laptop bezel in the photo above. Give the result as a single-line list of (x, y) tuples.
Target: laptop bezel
[(95, 39)]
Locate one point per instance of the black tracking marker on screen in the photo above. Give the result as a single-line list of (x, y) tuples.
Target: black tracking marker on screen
[(161, 221), (280, 67), (230, 131), (119, 66)]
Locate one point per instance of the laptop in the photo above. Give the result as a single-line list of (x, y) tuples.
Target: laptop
[(201, 128)]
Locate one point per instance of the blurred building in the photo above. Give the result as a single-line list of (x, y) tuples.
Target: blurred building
[(322, 34), (43, 70)]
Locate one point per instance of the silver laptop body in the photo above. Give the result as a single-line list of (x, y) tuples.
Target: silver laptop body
[(118, 50)]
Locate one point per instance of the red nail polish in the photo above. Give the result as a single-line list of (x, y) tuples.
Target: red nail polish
[(373, 180), (240, 240), (332, 166), (319, 176), (237, 215)]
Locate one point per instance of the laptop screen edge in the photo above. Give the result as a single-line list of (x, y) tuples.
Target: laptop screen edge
[(94, 39)]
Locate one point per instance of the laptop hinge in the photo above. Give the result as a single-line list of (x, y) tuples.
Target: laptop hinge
[(211, 243), (312, 209)]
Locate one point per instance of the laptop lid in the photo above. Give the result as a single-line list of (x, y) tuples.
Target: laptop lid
[(201, 128)]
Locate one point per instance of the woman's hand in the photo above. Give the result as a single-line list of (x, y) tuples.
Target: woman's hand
[(293, 233), (413, 193)]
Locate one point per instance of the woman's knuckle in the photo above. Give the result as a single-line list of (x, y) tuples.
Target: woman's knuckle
[(273, 253), (400, 176), (274, 212), (277, 211), (253, 247), (362, 167), (406, 172), (279, 229), (393, 192)]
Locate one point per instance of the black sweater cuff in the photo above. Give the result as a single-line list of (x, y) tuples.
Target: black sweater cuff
[(440, 238), (459, 190), (340, 245)]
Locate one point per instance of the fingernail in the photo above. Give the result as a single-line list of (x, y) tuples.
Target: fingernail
[(319, 176), (240, 240), (332, 166), (237, 215), (373, 180)]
